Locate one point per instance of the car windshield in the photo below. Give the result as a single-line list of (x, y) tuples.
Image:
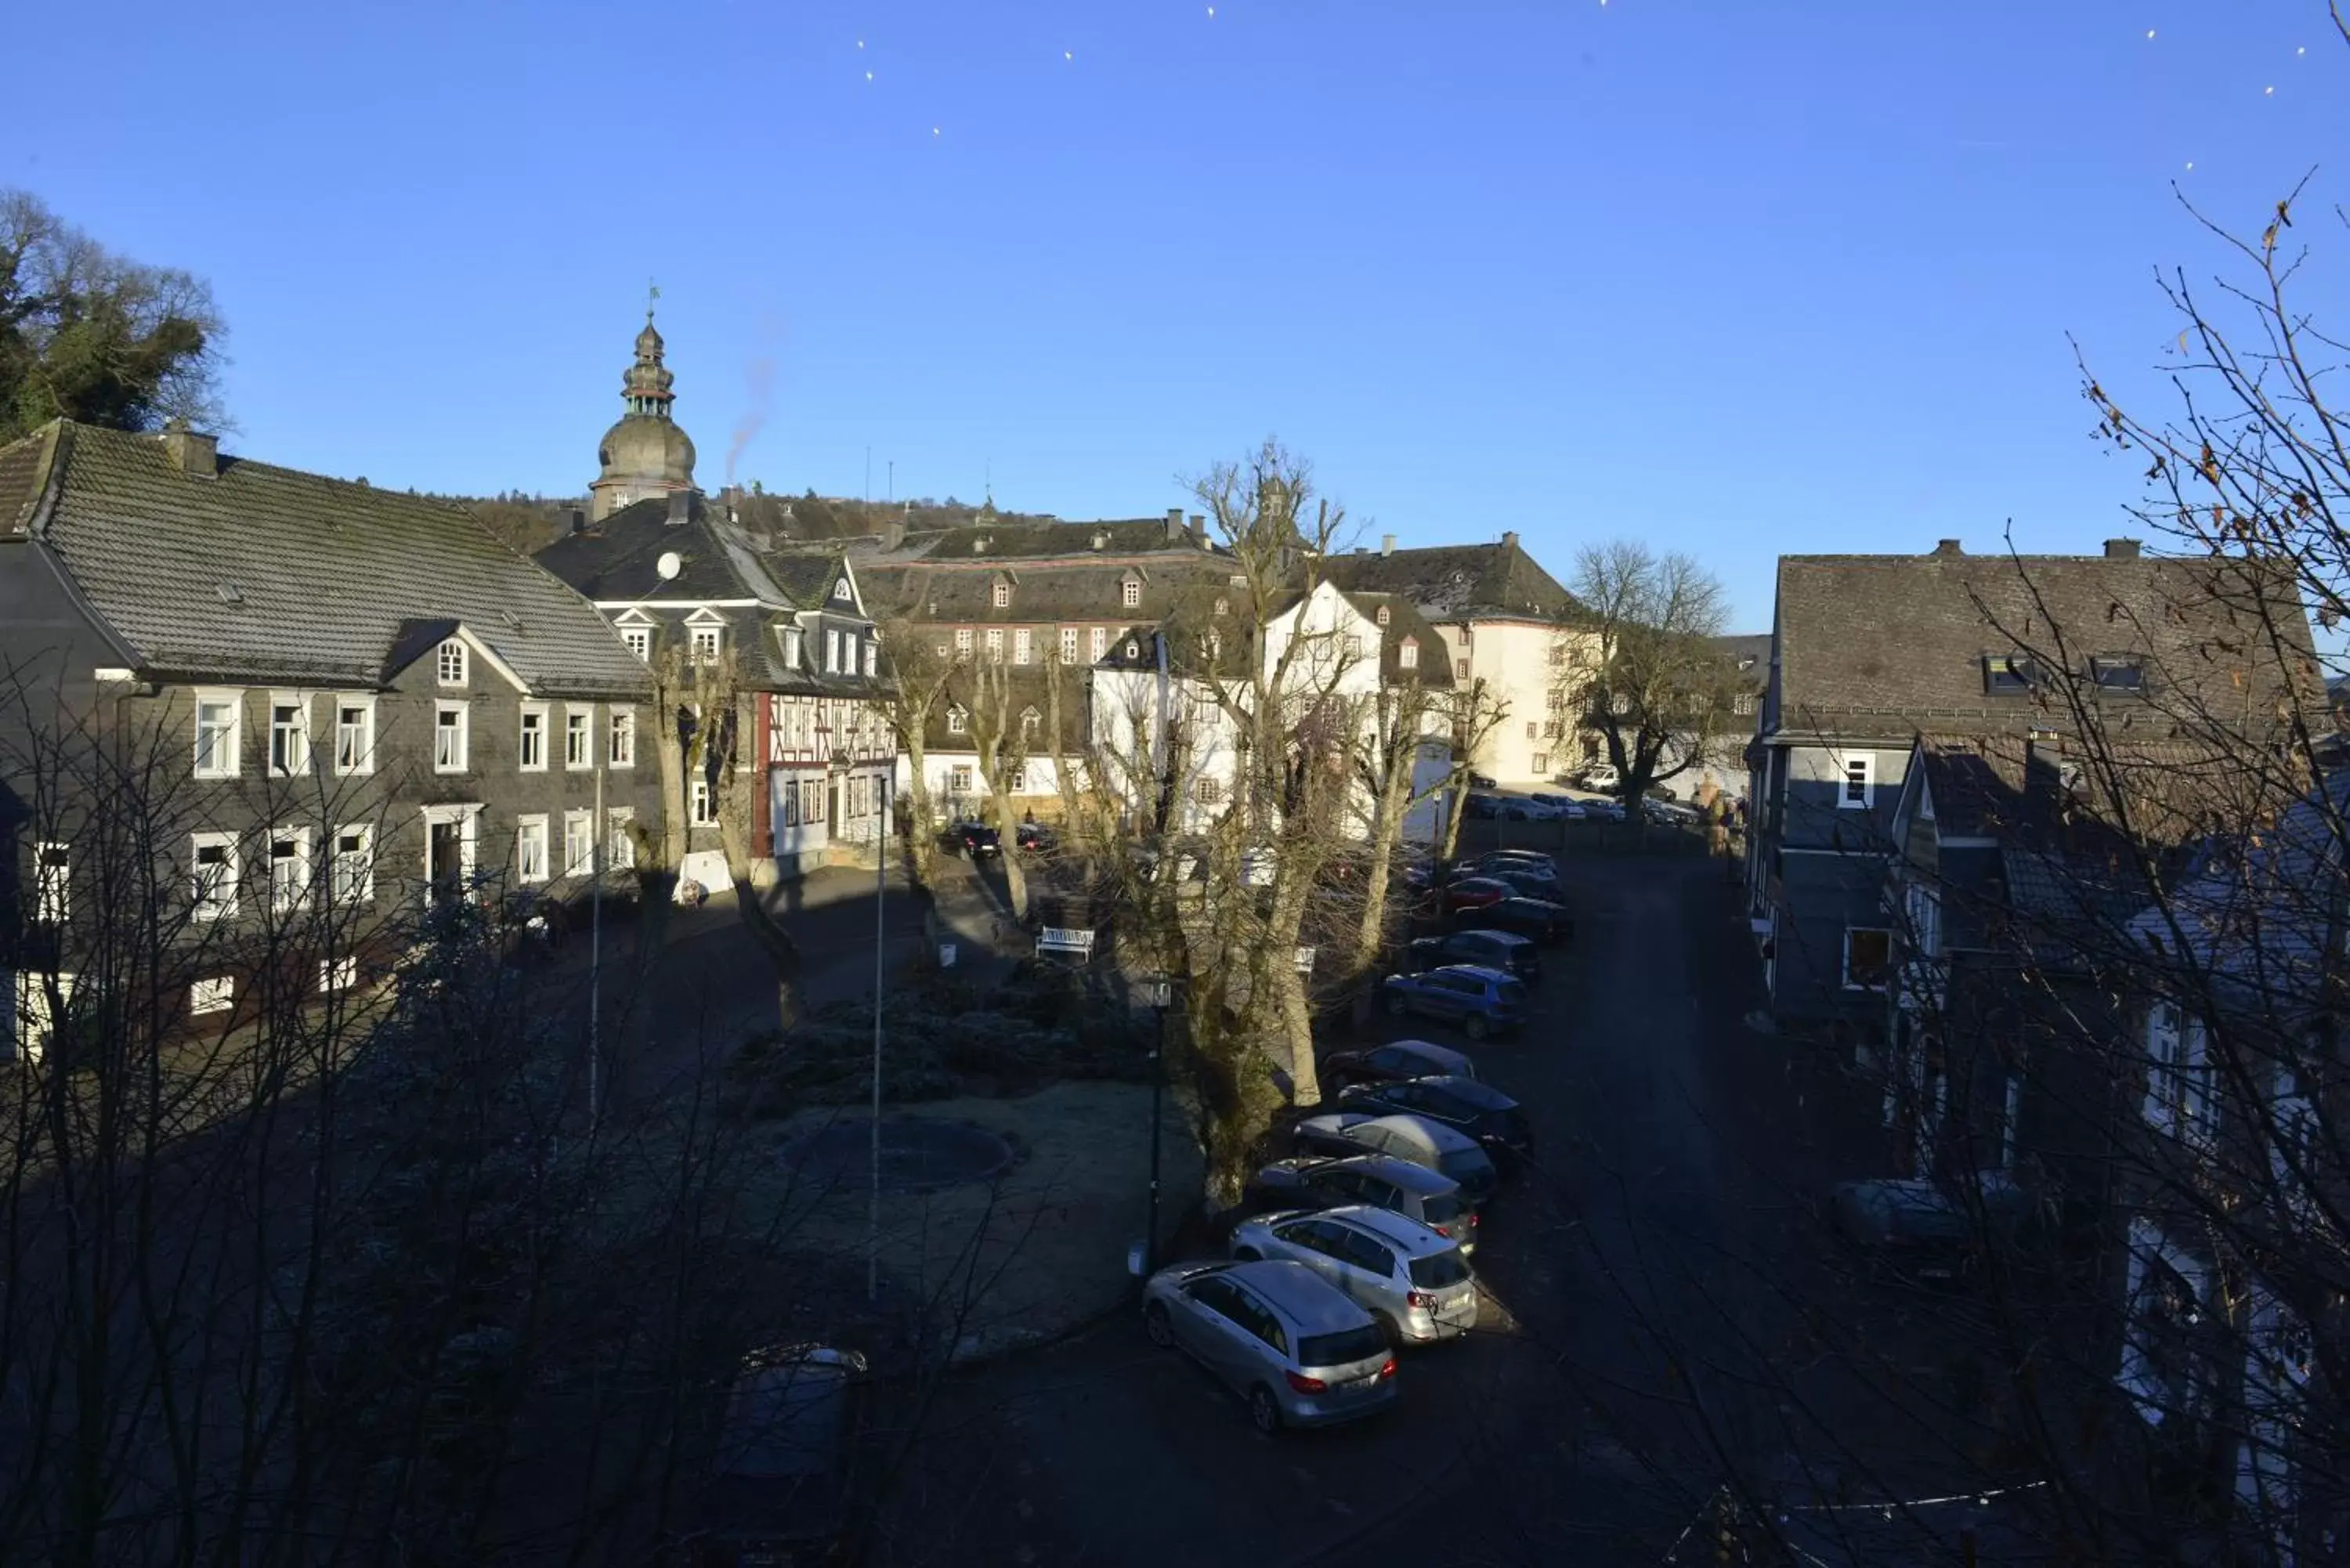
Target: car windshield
[(1513, 992), (1441, 1211), (1339, 1349), (1439, 1270)]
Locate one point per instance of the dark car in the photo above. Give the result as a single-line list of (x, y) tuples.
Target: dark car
[(781, 1484), (1481, 1001), (1480, 808), (1504, 951), (1911, 1229), (1464, 1105), (1383, 1181), (975, 839), (1035, 835), (1526, 882), (1537, 919), (1396, 1059), (1539, 861), (1480, 780), (1469, 892)]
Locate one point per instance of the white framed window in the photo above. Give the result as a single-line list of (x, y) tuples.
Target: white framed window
[(1129, 593), (578, 735), (52, 884), (1856, 783), (450, 662), (354, 735), (578, 842), (841, 591), (1023, 646), (451, 732), (530, 848), (1018, 783), (339, 973), (289, 735), (351, 870), (706, 643), (1742, 704), (1068, 645), (963, 642), (216, 994), (619, 841), (872, 655), (1354, 646), (2295, 1151), (1868, 956), (638, 641), (958, 780), (2163, 1308), (1099, 643), (289, 868), (1385, 615), (1532, 730), (1208, 790), (1029, 722), (1001, 598), (1133, 649), (958, 721), (995, 644), (531, 755), (1408, 653), (2180, 1100), (2010, 1118), (1460, 670), (834, 640), (1542, 764), (702, 805), (213, 883), (620, 748), (220, 722)]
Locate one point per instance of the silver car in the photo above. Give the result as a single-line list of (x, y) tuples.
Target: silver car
[(1416, 1138), (1380, 1180), (1297, 1348), (1413, 1281)]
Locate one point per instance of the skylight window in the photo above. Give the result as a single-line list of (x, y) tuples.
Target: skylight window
[(2119, 672), (2008, 674)]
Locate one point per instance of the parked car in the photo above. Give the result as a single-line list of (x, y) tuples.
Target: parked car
[(1480, 808), (1424, 1142), (1566, 805), (1526, 882), (1500, 858), (1035, 835), (1604, 810), (1381, 1181), (1668, 812), (1413, 1281), (1397, 1059), (1287, 1340), (1537, 919), (1527, 811), (1600, 776), (1504, 951), (1481, 781), (975, 839), (787, 1448), (1464, 1105), (1466, 892), (1910, 1229), (1482, 1001)]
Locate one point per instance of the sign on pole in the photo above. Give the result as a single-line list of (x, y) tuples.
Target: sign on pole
[(1305, 960)]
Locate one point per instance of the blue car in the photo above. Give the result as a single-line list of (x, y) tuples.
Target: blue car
[(1483, 1001)]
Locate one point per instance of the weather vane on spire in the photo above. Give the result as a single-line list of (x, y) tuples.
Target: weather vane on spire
[(652, 294)]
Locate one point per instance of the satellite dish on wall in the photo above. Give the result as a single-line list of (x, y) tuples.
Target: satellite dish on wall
[(670, 564)]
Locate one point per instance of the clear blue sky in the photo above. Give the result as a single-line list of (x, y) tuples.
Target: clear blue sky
[(1732, 276)]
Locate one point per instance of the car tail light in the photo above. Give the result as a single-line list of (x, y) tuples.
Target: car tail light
[(1388, 1370), (1418, 1299), (1472, 1218), (1305, 1385)]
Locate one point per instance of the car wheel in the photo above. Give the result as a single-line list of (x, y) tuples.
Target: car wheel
[(1397, 1006), (1474, 1026), (1155, 1325), (1246, 1255), (1265, 1410)]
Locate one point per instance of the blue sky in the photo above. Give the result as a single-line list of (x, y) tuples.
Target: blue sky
[(1734, 277)]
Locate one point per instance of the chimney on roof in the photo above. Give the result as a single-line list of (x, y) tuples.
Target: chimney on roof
[(579, 519), (2121, 549), (192, 451), (1387, 544), (1175, 532), (893, 534), (1509, 540), (681, 508), (1948, 548), (1199, 529)]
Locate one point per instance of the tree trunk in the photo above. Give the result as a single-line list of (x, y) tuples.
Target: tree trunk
[(783, 954), (1278, 963), (1456, 796), (1387, 828), (922, 831)]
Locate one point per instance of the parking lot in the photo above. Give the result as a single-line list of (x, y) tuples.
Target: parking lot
[(1583, 1420)]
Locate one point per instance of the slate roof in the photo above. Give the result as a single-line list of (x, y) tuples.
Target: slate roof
[(1458, 582), (1893, 643), (1751, 651), (1030, 541), (1057, 592), (257, 574)]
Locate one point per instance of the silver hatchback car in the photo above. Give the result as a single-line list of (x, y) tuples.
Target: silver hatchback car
[(1300, 1352), (1413, 1281)]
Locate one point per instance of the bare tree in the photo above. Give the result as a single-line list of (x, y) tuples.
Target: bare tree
[(1000, 730), (918, 688), (1640, 669), (1473, 712), (1396, 733)]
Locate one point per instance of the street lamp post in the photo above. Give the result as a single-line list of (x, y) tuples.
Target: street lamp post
[(1161, 997)]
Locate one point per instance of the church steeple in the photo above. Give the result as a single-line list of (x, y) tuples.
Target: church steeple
[(645, 454), (646, 386)]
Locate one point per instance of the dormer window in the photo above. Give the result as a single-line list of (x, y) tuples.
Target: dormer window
[(1223, 605), (1002, 598), (841, 591), (1029, 720), (1384, 615), (1129, 593), (792, 640), (2008, 674), (2119, 672), (1408, 653), (706, 641), (638, 641), (451, 661), (958, 719), (1133, 649)]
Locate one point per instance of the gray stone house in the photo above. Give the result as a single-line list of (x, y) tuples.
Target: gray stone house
[(259, 719)]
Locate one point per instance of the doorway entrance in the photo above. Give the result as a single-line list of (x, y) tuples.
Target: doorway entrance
[(445, 872)]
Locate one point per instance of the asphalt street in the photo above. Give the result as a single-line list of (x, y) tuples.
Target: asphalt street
[(1637, 1342)]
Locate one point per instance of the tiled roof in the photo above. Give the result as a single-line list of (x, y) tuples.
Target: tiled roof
[(1455, 582), (1872, 641), (1057, 592), (259, 573), (1029, 541)]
